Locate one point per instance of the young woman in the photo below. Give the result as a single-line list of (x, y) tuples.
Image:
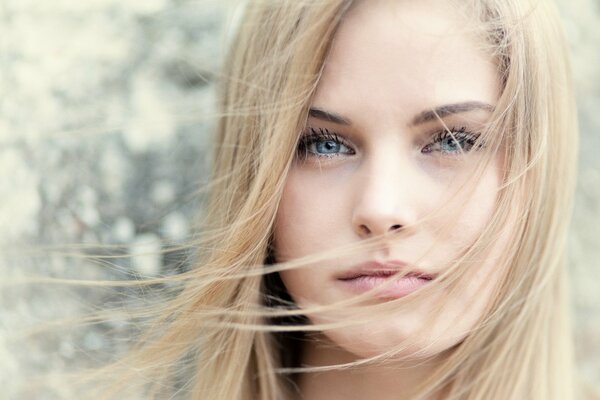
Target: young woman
[(392, 184)]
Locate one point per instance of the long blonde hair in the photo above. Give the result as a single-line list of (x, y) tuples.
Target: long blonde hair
[(217, 338)]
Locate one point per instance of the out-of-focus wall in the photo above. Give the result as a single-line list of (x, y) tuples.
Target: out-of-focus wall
[(105, 113), (581, 19)]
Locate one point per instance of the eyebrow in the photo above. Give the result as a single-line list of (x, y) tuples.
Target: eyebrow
[(328, 116), (421, 118), (450, 109)]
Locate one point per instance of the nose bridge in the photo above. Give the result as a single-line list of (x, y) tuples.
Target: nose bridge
[(387, 196)]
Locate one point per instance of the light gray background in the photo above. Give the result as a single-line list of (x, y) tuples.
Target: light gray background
[(105, 107)]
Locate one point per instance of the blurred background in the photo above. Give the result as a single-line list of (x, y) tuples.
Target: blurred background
[(105, 115)]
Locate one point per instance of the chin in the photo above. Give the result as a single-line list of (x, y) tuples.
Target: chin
[(404, 343)]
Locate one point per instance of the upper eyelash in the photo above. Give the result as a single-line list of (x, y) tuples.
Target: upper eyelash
[(457, 133), (322, 134), (325, 134)]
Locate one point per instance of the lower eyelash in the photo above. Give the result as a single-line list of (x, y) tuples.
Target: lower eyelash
[(323, 134), (317, 134)]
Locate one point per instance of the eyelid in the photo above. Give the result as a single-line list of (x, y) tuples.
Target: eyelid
[(321, 133), (459, 133), (312, 134), (447, 131), (315, 134)]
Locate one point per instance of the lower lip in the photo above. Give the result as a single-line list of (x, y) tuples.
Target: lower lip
[(399, 288)]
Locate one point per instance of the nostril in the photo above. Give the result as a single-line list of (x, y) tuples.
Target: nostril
[(395, 227), (365, 230)]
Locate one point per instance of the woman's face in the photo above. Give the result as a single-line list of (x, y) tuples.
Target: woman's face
[(375, 160)]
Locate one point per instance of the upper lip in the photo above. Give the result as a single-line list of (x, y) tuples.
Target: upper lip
[(387, 268)]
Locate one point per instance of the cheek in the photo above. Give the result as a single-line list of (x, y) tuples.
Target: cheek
[(478, 285), (310, 217), (467, 214), (299, 224), (313, 216)]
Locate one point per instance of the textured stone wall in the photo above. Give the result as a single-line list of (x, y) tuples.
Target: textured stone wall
[(105, 112)]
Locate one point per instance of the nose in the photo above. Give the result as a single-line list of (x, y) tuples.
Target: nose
[(386, 199)]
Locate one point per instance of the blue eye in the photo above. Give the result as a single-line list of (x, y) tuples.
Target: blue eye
[(322, 143), (450, 144), (453, 141), (326, 147)]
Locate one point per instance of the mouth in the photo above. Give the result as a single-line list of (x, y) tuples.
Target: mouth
[(370, 275), (383, 270), (385, 274)]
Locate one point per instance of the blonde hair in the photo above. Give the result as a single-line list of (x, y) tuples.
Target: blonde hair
[(220, 337)]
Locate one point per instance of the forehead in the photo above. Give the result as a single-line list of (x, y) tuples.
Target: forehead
[(405, 56)]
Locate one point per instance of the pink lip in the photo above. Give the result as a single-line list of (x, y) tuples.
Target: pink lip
[(372, 274)]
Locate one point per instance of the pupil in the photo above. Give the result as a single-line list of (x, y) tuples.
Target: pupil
[(451, 143)]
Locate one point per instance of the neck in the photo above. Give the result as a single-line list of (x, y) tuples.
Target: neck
[(395, 381)]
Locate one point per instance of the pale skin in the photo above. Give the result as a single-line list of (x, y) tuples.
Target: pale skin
[(379, 169)]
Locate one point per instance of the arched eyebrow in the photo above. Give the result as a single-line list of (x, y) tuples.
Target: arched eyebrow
[(450, 109), (421, 118), (328, 116)]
